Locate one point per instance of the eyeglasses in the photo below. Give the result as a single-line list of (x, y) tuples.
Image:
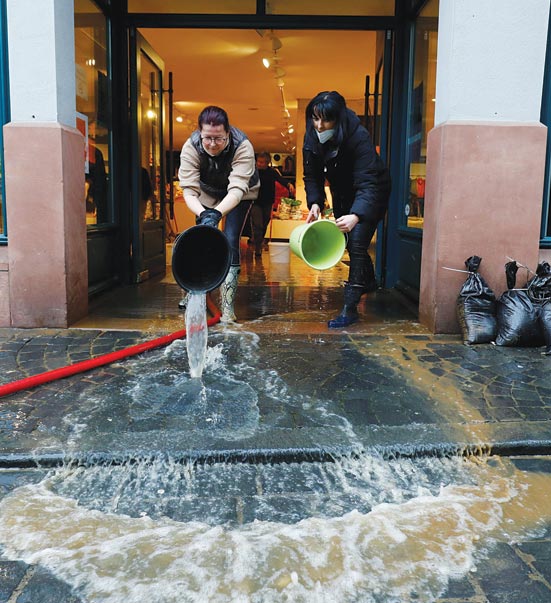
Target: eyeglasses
[(213, 139)]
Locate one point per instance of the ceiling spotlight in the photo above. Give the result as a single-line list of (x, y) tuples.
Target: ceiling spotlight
[(180, 119), (276, 43), (266, 62), (291, 129), (150, 114)]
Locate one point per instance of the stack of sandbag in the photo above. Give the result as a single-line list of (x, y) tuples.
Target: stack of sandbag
[(524, 314), (476, 306)]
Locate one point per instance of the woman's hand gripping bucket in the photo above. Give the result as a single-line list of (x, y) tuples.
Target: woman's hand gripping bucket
[(320, 244)]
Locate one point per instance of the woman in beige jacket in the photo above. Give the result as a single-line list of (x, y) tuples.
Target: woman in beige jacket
[(219, 178)]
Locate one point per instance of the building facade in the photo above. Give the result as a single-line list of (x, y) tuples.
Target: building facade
[(460, 111)]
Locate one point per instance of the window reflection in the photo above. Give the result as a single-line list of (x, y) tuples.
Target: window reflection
[(374, 8), (421, 111), (150, 140), (192, 6), (93, 101)]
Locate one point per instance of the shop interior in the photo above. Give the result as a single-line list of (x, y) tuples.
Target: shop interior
[(264, 79)]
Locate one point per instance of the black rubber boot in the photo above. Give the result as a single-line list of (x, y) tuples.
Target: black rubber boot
[(362, 274), (349, 313)]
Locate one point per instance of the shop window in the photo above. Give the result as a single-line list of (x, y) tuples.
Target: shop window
[(421, 111), (93, 102), (546, 119), (364, 8), (4, 115), (221, 7)]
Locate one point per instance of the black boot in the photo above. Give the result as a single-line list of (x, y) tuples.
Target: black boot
[(349, 313), (362, 274)]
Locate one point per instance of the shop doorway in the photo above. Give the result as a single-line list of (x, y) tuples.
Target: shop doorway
[(225, 67)]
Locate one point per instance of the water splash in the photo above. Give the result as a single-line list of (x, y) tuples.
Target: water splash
[(396, 552), (196, 332)]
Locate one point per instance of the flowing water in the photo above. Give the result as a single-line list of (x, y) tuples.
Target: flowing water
[(196, 332), (361, 528)]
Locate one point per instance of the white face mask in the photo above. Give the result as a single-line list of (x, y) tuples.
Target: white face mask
[(325, 135)]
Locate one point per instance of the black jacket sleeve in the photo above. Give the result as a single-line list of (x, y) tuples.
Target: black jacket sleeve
[(314, 178), (370, 179)]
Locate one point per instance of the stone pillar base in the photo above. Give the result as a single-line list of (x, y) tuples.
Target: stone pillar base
[(47, 257), (483, 197)]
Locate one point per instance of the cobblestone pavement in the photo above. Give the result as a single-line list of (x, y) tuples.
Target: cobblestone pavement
[(295, 398)]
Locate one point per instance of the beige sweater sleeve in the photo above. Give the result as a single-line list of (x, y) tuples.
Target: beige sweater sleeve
[(188, 172), (243, 166)]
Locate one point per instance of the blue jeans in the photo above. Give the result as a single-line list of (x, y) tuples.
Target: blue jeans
[(233, 228)]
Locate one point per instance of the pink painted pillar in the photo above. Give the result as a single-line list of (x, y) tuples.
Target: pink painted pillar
[(483, 197), (47, 260)]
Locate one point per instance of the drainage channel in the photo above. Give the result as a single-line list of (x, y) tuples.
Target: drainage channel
[(280, 455)]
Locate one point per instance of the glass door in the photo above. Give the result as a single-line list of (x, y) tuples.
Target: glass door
[(148, 189), (419, 78)]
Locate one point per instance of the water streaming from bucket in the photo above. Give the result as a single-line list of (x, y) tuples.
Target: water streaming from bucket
[(196, 332)]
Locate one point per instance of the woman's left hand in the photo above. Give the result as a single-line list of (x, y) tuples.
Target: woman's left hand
[(347, 223)]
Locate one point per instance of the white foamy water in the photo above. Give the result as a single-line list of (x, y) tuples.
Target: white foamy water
[(196, 332), (395, 553)]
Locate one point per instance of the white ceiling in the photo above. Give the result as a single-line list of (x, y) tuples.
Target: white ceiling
[(224, 67)]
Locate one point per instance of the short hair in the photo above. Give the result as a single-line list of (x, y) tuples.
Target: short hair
[(265, 155), (214, 116)]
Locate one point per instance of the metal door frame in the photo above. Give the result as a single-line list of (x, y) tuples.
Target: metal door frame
[(137, 44)]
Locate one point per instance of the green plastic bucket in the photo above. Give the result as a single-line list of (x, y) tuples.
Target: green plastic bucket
[(320, 244)]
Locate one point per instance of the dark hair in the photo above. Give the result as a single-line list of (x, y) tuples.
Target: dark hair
[(214, 116), (330, 106), (266, 156)]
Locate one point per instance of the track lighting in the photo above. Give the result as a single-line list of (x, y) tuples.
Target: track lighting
[(273, 63), (276, 43)]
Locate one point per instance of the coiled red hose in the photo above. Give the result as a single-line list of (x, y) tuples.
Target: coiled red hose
[(86, 365)]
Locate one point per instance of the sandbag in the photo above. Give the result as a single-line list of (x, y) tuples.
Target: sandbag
[(524, 315), (539, 291), (544, 316), (539, 287), (511, 269), (476, 306), (517, 320)]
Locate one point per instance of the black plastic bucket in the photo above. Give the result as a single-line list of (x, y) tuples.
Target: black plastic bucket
[(201, 258)]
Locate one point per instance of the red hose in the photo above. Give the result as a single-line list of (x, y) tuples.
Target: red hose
[(86, 365)]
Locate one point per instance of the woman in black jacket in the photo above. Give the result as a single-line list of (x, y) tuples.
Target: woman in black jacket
[(338, 148)]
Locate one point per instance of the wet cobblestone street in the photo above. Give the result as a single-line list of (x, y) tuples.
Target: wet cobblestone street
[(298, 401)]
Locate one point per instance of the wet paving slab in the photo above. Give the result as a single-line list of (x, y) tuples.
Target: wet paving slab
[(282, 393)]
